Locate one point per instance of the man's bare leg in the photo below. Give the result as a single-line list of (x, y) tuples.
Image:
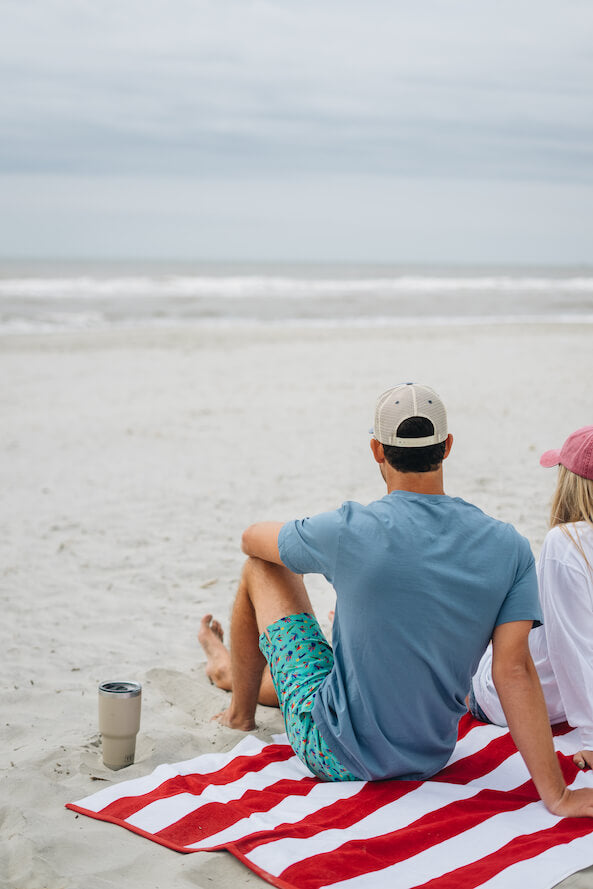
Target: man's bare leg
[(218, 665), (267, 592)]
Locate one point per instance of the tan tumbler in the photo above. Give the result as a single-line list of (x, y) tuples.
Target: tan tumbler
[(119, 721)]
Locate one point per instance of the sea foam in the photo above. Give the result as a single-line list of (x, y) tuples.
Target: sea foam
[(341, 296)]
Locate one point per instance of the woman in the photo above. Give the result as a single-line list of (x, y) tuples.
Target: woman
[(562, 649)]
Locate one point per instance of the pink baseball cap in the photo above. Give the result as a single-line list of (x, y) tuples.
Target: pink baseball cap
[(576, 453)]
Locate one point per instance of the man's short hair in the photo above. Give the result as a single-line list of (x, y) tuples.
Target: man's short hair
[(426, 459)]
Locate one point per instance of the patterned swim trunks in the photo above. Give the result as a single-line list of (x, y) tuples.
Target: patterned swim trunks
[(300, 658)]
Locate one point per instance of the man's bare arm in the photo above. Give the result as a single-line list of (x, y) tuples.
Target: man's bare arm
[(522, 700), (261, 541)]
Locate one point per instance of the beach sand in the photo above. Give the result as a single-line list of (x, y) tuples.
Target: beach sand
[(131, 462)]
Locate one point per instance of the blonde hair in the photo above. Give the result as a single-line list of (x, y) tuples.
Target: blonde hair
[(572, 502)]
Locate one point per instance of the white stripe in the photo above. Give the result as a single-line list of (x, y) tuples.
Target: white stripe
[(163, 812), (582, 779), (208, 762), (290, 810), (476, 740), (459, 851), (569, 743), (547, 869), (276, 857), (509, 774)]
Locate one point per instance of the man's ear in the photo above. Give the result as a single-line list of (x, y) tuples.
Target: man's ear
[(448, 446), (377, 449)]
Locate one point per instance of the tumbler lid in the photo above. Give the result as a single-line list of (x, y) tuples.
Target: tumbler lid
[(120, 689)]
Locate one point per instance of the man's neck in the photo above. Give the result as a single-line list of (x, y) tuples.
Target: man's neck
[(416, 482)]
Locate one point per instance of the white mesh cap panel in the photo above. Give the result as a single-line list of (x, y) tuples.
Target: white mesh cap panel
[(405, 401)]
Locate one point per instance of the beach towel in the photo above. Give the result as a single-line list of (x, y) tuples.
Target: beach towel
[(478, 822)]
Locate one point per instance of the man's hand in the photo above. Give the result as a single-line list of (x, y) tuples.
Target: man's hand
[(583, 759), (574, 804)]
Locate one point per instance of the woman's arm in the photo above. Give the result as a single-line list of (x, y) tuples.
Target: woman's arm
[(567, 602), (523, 702)]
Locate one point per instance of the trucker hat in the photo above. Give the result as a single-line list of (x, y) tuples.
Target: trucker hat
[(405, 401), (576, 453)]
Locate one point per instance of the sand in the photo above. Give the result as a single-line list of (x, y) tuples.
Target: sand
[(131, 462)]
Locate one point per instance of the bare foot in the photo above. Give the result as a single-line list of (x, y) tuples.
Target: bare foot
[(218, 670), (241, 725), (218, 659)]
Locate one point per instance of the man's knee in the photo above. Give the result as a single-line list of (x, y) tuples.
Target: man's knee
[(273, 590), (253, 568), (256, 571)]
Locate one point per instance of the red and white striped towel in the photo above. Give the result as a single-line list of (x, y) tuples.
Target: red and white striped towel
[(479, 822)]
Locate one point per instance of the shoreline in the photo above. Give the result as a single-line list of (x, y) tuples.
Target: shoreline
[(147, 335)]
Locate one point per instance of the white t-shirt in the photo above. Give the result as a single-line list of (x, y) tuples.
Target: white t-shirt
[(562, 649)]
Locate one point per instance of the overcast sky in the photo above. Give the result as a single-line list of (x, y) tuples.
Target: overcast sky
[(443, 130)]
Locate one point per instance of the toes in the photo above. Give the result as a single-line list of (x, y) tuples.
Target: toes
[(216, 628), (204, 627), (210, 635)]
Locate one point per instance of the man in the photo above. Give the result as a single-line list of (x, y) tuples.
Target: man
[(423, 582)]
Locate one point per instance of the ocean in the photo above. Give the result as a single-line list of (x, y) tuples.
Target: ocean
[(46, 297)]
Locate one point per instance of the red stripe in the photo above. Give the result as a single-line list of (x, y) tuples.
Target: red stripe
[(344, 813), (213, 817), (486, 760), (462, 771), (568, 768), (339, 815), (469, 722), (357, 857), (562, 728), (194, 783), (362, 856), (520, 849), (479, 763), (466, 724)]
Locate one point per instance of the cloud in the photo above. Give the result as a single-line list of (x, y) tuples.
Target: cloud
[(199, 89), (294, 129), (354, 218)]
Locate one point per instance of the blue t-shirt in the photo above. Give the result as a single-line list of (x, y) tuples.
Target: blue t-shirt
[(421, 581)]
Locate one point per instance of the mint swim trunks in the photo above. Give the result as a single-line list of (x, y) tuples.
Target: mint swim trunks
[(300, 658)]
